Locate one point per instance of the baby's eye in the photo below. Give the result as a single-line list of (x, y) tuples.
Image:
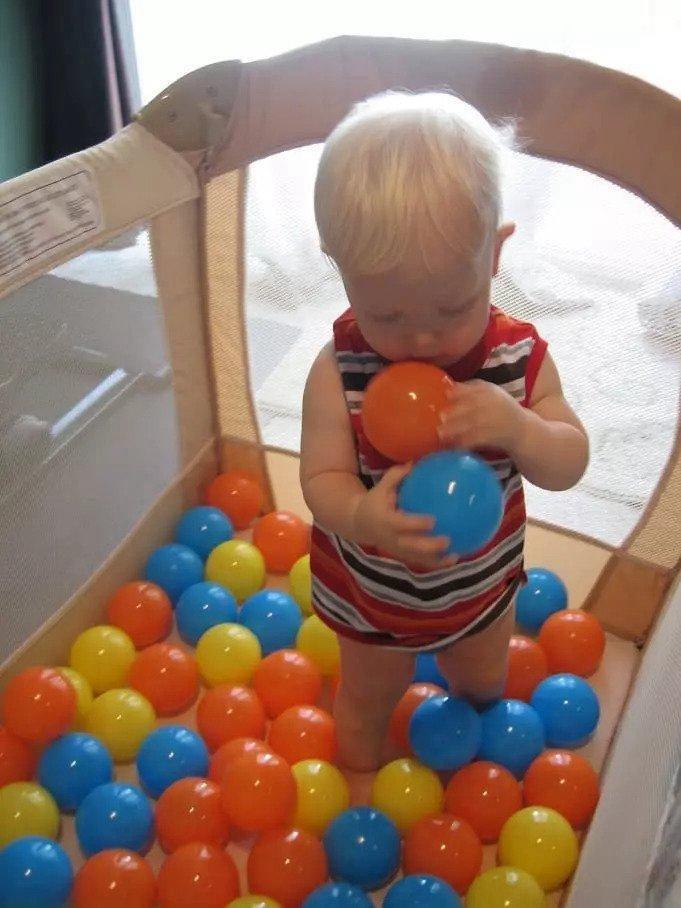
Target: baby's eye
[(387, 318), (448, 312)]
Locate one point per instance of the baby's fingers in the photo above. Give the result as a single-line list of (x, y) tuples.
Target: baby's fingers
[(403, 522), (428, 546)]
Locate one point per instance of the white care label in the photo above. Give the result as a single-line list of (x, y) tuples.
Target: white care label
[(44, 221)]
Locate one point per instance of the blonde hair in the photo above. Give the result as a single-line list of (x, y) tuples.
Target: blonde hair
[(406, 182)]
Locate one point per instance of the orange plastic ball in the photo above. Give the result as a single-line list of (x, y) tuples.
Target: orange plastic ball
[(287, 678), (17, 759), (143, 611), (485, 795), (446, 847), (229, 711), (168, 677), (112, 879), (303, 733), (283, 538), (287, 865), (401, 409), (573, 641), (190, 810), (197, 874), (238, 494), (258, 792), (38, 705), (564, 781), (227, 753), (399, 721), (527, 666)]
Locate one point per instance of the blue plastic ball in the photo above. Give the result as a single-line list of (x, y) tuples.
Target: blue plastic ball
[(542, 595), (568, 708), (445, 732), (115, 815), (72, 766), (427, 671), (201, 607), (34, 873), (174, 568), (462, 492), (421, 891), (363, 847), (337, 895), (202, 529), (512, 735), (274, 617), (170, 753)]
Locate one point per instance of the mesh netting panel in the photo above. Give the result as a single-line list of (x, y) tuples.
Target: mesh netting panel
[(596, 269), (88, 437)]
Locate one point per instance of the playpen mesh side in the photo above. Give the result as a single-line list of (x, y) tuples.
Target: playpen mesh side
[(595, 268)]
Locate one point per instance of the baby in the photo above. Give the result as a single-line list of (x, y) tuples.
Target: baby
[(408, 206)]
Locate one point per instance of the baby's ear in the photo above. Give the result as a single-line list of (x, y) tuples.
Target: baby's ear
[(504, 232)]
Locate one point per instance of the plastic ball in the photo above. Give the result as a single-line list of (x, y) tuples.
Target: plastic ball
[(287, 865), (401, 409), (238, 566), (363, 847), (302, 733), (115, 878), (190, 810), (197, 874), (427, 671), (167, 676), (462, 492), (274, 617), (320, 643), (401, 717), (174, 568), (232, 750), (38, 705), (238, 494), (564, 781), (574, 642), (283, 538), (323, 793), (72, 766), (512, 735), (202, 529), (338, 895), (17, 759), (103, 655), (143, 611), (541, 842), (527, 666), (300, 584), (121, 719), (286, 678), (258, 792), (27, 809), (115, 815), (505, 887), (201, 607), (421, 891), (35, 872), (227, 654), (406, 791), (568, 708), (446, 847), (170, 753), (445, 732), (84, 695), (254, 901), (485, 795), (229, 711), (543, 594)]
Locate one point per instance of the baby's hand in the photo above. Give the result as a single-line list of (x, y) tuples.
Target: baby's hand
[(403, 536), (482, 415)]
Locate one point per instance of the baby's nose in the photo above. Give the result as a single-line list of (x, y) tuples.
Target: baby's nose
[(425, 343)]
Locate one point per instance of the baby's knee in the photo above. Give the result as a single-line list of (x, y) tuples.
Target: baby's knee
[(377, 690), (479, 680)]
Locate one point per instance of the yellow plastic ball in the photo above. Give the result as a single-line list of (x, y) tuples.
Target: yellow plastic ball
[(320, 643), (406, 791), (254, 901), (323, 793), (84, 695), (237, 565), (27, 809), (121, 719), (103, 656), (505, 887), (300, 583), (542, 842), (227, 653)]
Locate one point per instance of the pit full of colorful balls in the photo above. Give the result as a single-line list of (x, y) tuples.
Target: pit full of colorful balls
[(212, 688)]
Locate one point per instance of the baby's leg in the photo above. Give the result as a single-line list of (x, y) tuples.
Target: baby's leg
[(373, 679), (476, 666)]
